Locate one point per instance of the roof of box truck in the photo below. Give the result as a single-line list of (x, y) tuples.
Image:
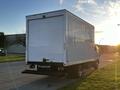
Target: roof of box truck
[(57, 11), (48, 12)]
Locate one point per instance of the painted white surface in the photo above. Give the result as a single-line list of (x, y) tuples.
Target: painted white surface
[(46, 39), (80, 40), (65, 38)]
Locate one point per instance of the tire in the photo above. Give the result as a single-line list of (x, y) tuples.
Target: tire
[(96, 64), (74, 71), (81, 70)]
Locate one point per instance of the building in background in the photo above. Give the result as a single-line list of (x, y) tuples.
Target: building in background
[(15, 43)]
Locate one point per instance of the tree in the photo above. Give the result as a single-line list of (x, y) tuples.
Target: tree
[(2, 40)]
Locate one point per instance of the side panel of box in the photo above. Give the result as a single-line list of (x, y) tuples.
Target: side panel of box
[(80, 40)]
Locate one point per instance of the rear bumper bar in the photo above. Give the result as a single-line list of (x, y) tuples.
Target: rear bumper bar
[(46, 63), (43, 72)]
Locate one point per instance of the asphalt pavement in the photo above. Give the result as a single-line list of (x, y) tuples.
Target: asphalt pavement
[(11, 78)]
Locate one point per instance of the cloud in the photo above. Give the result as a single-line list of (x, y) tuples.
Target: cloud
[(90, 10), (93, 8), (114, 8), (104, 14), (61, 2), (89, 7), (86, 1)]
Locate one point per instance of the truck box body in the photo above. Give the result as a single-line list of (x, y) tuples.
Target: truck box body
[(59, 37)]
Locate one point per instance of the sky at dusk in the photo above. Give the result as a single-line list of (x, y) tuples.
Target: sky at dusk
[(103, 14)]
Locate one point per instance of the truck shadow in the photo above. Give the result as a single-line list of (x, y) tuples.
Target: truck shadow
[(47, 83)]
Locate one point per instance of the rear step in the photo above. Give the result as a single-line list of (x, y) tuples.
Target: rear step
[(41, 72)]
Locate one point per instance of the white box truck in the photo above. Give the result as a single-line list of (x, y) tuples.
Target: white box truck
[(59, 41)]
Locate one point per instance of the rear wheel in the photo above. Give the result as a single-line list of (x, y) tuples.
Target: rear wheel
[(75, 71), (96, 64), (81, 70)]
